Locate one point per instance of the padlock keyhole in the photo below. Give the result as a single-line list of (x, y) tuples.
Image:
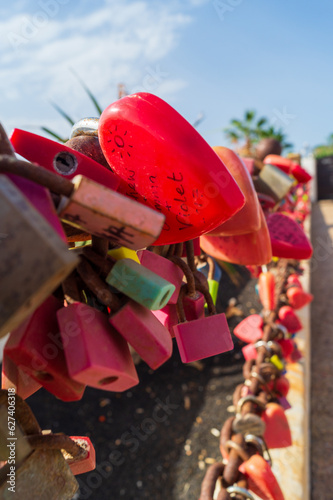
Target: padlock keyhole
[(65, 163), (107, 380)]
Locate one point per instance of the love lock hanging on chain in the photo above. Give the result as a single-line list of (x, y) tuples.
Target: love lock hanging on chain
[(261, 479), (250, 329)]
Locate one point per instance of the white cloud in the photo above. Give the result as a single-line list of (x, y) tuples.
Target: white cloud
[(118, 41)]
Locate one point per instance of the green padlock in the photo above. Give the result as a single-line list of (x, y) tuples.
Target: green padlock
[(133, 280)]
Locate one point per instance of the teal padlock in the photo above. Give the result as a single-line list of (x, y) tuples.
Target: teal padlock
[(140, 284), (132, 279)]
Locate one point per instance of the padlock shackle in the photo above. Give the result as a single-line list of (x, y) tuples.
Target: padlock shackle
[(97, 286), (104, 264), (191, 285), (208, 297), (55, 183), (57, 442), (190, 255)]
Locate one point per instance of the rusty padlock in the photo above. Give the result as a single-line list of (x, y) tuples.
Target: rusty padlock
[(27, 277)]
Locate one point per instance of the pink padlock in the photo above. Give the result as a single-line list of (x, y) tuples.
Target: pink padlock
[(36, 345), (144, 332), (96, 354), (204, 337), (168, 317), (249, 352), (14, 377), (250, 329), (40, 198), (164, 268)]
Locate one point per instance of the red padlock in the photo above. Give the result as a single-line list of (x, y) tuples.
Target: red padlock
[(293, 280), (250, 329), (261, 479), (289, 319), (248, 218), (298, 298), (282, 163), (266, 286), (165, 161), (61, 159), (243, 249), (277, 433), (37, 346), (96, 354), (86, 464)]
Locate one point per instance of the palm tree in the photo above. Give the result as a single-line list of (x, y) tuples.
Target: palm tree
[(248, 129), (251, 130)]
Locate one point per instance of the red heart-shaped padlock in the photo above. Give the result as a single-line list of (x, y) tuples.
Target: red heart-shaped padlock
[(249, 352), (248, 218), (243, 249), (293, 279), (277, 433), (282, 385), (289, 319), (261, 479), (250, 328), (288, 239), (287, 346), (298, 298), (168, 166), (299, 173)]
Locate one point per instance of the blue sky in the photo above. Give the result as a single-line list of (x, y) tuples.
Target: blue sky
[(218, 57)]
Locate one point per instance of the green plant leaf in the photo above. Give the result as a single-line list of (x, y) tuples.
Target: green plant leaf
[(90, 94), (54, 134), (62, 113)]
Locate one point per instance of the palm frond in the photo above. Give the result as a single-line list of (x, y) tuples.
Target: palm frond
[(54, 134), (62, 113), (88, 92)]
